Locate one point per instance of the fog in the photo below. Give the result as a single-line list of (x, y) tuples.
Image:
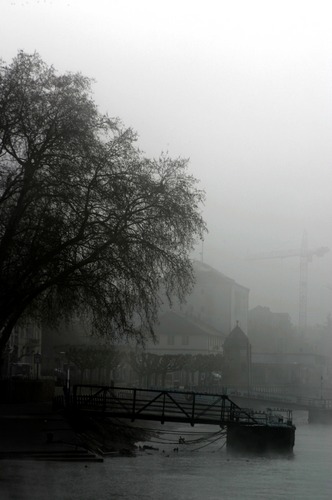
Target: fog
[(243, 89)]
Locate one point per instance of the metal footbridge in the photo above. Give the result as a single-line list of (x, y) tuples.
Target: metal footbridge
[(168, 406)]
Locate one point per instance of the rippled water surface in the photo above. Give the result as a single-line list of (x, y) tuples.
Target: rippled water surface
[(194, 472)]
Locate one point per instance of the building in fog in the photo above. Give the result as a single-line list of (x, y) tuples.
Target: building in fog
[(270, 331), (298, 373), (217, 300), (179, 334), (215, 306)]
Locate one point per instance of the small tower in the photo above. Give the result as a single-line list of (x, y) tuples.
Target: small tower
[(237, 361)]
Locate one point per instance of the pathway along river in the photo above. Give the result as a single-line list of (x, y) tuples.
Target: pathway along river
[(194, 472)]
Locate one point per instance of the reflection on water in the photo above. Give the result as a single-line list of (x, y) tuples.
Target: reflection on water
[(200, 469)]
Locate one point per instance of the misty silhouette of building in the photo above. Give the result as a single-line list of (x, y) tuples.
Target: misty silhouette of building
[(202, 323), (284, 362), (296, 373), (270, 331), (210, 312), (217, 300)]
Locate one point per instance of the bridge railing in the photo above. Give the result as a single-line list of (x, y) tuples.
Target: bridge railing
[(300, 401), (163, 405), (281, 394)]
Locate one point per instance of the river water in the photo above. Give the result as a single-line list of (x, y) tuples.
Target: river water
[(201, 469)]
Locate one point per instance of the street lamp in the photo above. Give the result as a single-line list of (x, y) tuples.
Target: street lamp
[(37, 361), (67, 373)]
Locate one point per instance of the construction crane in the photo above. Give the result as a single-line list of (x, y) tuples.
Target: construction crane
[(306, 257)]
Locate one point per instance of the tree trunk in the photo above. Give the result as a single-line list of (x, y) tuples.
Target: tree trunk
[(6, 332), (163, 379)]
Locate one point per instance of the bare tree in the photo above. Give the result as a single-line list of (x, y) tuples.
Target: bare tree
[(170, 363), (145, 365), (88, 224), (91, 358), (205, 365)]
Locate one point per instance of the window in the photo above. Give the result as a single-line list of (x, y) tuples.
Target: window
[(171, 340), (185, 339)]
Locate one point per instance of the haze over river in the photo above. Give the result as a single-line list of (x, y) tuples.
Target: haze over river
[(195, 472)]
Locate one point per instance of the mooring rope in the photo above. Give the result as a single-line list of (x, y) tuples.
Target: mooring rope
[(211, 442)]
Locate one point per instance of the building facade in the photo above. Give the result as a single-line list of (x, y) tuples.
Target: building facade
[(217, 300)]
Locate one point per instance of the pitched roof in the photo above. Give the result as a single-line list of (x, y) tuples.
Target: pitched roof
[(174, 323), (236, 338), (201, 268)]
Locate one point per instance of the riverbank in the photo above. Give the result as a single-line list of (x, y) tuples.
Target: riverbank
[(36, 430), (110, 436)]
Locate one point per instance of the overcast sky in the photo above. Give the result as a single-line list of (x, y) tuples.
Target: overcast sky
[(242, 88)]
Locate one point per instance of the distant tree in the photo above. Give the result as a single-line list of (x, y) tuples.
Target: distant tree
[(144, 364), (155, 367), (205, 365), (89, 358), (88, 224), (170, 363), (149, 366)]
